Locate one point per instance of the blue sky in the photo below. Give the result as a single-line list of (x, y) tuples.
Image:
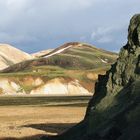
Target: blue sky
[(34, 25)]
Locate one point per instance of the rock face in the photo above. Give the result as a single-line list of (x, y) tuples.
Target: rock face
[(114, 111), (10, 55)]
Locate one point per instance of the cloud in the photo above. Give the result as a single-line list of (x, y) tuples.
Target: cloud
[(103, 34), (16, 5), (16, 38), (101, 31), (49, 23), (72, 4), (105, 39)]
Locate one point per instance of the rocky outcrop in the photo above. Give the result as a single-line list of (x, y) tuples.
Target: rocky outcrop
[(126, 70), (10, 55), (114, 111)]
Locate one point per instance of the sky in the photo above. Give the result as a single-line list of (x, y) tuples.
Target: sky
[(34, 25)]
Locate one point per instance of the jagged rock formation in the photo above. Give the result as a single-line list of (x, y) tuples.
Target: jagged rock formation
[(114, 111)]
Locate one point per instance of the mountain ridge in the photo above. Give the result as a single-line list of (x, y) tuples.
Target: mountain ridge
[(41, 53), (73, 55), (77, 44), (71, 66)]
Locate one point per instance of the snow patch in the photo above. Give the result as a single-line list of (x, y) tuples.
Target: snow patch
[(104, 61), (59, 51)]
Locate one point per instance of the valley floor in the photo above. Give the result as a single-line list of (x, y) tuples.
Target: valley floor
[(30, 122)]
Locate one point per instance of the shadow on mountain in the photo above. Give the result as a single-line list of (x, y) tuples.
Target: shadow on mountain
[(6, 61)]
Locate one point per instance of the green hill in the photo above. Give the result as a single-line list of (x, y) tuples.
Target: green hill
[(78, 56), (75, 63)]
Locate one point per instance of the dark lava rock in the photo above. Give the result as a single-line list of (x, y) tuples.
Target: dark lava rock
[(114, 111)]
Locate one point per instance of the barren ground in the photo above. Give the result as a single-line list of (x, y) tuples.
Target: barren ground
[(27, 122)]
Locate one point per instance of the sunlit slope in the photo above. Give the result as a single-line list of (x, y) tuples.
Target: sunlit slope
[(71, 69), (10, 55), (69, 56)]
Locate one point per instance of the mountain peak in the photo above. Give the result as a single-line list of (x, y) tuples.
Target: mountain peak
[(65, 47), (75, 45), (134, 31), (10, 55)]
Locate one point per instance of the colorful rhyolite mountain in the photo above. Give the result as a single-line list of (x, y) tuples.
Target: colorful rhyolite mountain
[(71, 69), (10, 55)]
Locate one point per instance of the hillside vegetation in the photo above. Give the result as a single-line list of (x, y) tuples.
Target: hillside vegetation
[(72, 68), (78, 56)]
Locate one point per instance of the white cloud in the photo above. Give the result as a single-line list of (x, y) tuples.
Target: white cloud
[(75, 4), (108, 34), (101, 31), (103, 34), (105, 39), (16, 4)]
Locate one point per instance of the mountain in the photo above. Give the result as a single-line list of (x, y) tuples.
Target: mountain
[(71, 68), (41, 53), (72, 55), (114, 111), (10, 55)]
